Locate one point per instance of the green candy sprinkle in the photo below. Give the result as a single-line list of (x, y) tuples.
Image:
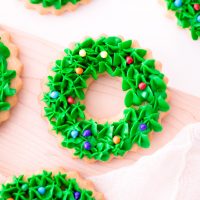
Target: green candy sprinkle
[(24, 187)]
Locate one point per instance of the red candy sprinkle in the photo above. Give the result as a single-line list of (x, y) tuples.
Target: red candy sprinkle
[(197, 7), (70, 100), (129, 60), (142, 86)]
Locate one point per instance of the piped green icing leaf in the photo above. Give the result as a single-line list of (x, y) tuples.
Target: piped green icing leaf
[(117, 59), (136, 100), (143, 105), (129, 98), (155, 125), (125, 45), (162, 104), (157, 83), (4, 106), (4, 51), (144, 141)]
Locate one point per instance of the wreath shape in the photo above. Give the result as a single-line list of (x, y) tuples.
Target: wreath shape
[(49, 185), (145, 99), (188, 14)]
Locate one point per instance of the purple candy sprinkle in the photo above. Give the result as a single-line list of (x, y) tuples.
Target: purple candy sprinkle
[(87, 145), (143, 127), (77, 195), (87, 133)]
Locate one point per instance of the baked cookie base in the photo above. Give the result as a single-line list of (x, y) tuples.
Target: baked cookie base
[(52, 10), (13, 64), (135, 147), (83, 183)]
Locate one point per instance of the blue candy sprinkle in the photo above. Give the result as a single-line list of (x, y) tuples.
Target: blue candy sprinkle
[(178, 3), (198, 19), (54, 94), (74, 134), (41, 190)]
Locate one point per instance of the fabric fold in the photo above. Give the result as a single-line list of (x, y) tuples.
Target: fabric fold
[(163, 175)]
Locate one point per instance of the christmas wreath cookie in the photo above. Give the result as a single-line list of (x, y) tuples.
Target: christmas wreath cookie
[(188, 14), (55, 7), (146, 98), (10, 69), (49, 185)]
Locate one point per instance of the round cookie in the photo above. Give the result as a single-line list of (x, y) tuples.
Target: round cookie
[(55, 7), (145, 101), (49, 185), (187, 13), (10, 70)]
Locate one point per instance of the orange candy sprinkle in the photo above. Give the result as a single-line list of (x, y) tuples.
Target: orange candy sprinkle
[(116, 139), (79, 70), (10, 199)]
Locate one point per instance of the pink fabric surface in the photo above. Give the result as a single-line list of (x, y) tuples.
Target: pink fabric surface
[(172, 173)]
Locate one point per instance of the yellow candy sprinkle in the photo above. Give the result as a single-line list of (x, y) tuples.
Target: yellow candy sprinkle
[(104, 54), (82, 53)]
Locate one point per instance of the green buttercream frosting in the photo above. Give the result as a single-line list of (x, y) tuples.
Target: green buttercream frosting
[(56, 3), (188, 16), (143, 107), (5, 78), (55, 186)]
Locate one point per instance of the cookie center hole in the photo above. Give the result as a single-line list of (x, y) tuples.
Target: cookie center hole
[(105, 99)]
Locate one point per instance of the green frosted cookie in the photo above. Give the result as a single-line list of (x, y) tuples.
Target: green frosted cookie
[(56, 3), (10, 71), (188, 14), (49, 186), (6, 77), (145, 100), (55, 7)]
